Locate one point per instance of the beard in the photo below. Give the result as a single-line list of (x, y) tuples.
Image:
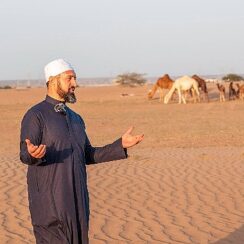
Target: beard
[(69, 96)]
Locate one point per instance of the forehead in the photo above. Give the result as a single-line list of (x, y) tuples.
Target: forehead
[(69, 73)]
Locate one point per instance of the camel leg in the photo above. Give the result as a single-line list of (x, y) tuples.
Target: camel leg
[(184, 96), (196, 90), (194, 95), (206, 96), (179, 95), (169, 95), (230, 95), (161, 95), (166, 99), (198, 96), (222, 97)]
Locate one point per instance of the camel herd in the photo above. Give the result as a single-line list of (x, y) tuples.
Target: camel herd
[(192, 86)]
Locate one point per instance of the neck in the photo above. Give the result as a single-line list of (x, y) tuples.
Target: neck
[(54, 96)]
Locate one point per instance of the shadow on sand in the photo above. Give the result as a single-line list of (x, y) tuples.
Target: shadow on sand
[(236, 237)]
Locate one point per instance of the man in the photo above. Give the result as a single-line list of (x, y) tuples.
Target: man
[(56, 148)]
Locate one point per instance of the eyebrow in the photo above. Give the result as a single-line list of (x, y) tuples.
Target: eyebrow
[(70, 76)]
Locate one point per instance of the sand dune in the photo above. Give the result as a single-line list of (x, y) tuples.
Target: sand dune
[(183, 184)]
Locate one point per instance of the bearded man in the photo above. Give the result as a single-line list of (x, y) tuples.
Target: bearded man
[(56, 148)]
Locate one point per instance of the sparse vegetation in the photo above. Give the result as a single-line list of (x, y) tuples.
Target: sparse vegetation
[(232, 77), (5, 87), (130, 79)]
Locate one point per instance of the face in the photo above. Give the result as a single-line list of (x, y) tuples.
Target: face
[(66, 86)]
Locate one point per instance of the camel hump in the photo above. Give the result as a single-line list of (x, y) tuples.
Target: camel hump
[(184, 77), (165, 76)]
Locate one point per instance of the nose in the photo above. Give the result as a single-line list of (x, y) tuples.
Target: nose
[(74, 82)]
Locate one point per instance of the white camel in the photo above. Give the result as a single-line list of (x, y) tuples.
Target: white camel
[(182, 85)]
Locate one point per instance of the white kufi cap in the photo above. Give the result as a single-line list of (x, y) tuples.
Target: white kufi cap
[(56, 67)]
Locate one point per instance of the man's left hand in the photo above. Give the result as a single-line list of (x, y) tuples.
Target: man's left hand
[(129, 141)]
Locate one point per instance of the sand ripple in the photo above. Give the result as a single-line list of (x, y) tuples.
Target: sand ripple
[(174, 196)]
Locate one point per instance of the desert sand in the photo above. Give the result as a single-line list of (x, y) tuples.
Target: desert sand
[(182, 184)]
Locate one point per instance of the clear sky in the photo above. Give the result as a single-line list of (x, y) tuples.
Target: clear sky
[(108, 37)]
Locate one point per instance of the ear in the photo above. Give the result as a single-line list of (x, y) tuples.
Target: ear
[(53, 80)]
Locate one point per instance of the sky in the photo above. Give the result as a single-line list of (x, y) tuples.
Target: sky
[(104, 38)]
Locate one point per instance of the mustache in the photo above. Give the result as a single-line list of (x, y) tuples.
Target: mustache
[(72, 89)]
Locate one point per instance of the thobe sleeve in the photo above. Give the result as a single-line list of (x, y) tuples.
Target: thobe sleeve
[(113, 151), (31, 128), (110, 152)]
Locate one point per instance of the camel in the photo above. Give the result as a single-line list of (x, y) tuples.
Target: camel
[(232, 92), (240, 91), (164, 82), (221, 89), (183, 84), (203, 85)]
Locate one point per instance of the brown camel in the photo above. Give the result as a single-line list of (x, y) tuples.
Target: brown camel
[(240, 91), (202, 84), (232, 91), (221, 89), (164, 82)]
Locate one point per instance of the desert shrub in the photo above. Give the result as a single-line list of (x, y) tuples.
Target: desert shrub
[(5, 87), (130, 79), (232, 77)]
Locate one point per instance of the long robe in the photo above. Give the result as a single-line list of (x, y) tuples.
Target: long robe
[(57, 183)]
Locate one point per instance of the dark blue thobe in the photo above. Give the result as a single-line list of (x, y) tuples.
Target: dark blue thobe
[(57, 183)]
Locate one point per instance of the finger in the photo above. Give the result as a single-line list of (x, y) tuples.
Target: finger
[(38, 150), (31, 147), (41, 153), (129, 130), (139, 138), (28, 143)]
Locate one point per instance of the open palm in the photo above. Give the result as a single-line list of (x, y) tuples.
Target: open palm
[(128, 140)]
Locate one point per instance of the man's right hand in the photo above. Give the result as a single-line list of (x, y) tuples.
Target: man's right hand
[(35, 151)]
